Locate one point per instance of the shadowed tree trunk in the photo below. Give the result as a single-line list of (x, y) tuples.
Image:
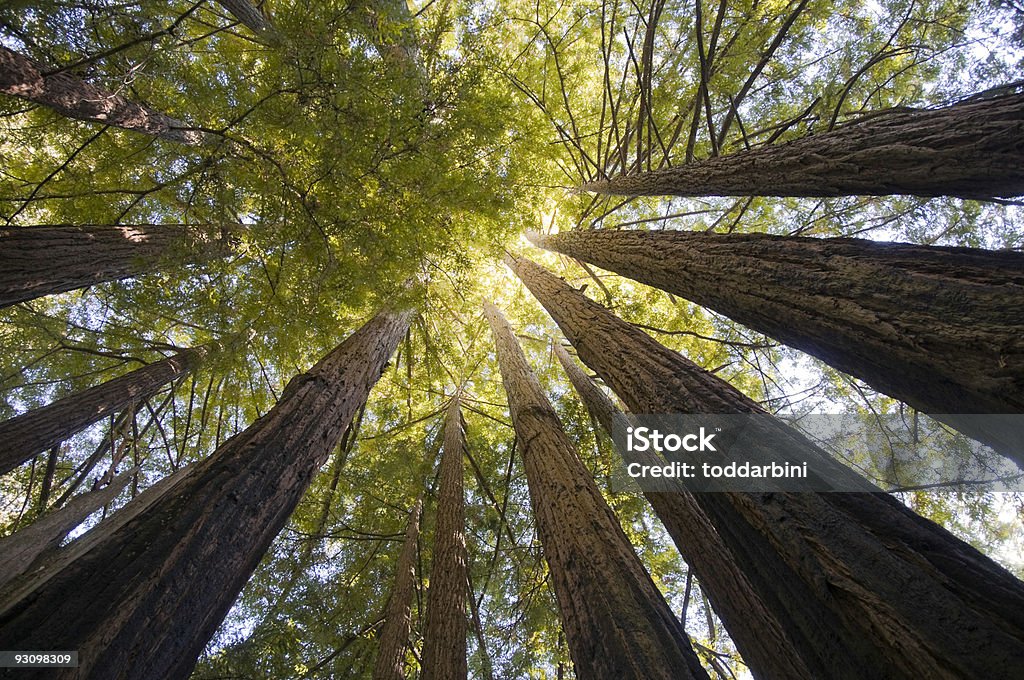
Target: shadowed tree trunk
[(144, 601), (618, 626), (394, 636), (34, 431), (444, 638), (863, 586), (972, 149), (20, 549), (22, 77), (43, 260), (250, 16), (940, 328), (757, 633)]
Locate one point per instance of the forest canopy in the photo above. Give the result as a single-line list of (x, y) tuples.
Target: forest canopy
[(261, 180)]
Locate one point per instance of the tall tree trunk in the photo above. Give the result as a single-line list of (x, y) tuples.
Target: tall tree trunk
[(22, 77), (394, 636), (26, 435), (20, 549), (863, 586), (972, 149), (940, 328), (390, 27), (43, 260), (753, 627), (250, 16), (617, 624), (143, 602), (444, 639)]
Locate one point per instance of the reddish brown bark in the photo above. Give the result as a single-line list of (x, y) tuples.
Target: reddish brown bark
[(394, 636), (22, 77), (972, 149), (940, 328), (26, 435), (617, 625), (863, 587), (444, 638), (144, 601)]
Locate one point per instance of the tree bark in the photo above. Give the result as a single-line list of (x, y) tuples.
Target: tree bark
[(939, 328), (19, 550), (26, 435), (863, 586), (972, 149), (43, 260), (143, 602), (618, 626), (444, 638), (251, 17), (22, 77), (394, 636), (758, 634)]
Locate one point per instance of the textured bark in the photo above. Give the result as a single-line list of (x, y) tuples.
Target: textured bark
[(144, 601), (972, 149), (43, 260), (251, 17), (758, 634), (394, 636), (940, 328), (617, 625), (26, 435), (22, 77), (19, 550), (863, 587), (444, 638)]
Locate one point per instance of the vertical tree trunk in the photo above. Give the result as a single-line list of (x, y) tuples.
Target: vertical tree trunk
[(143, 602), (21, 548), (43, 260), (394, 636), (864, 587), (757, 632), (617, 624), (444, 639), (972, 149), (22, 77), (26, 435), (940, 328)]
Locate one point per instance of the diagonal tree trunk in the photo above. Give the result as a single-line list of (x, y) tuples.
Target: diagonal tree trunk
[(48, 259), (250, 16), (394, 636), (143, 602), (940, 328), (972, 149), (444, 638), (618, 626), (757, 632), (22, 77), (863, 586), (25, 435)]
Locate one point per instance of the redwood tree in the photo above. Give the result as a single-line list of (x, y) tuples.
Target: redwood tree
[(617, 625), (70, 96), (394, 636), (862, 585), (940, 328), (972, 149), (144, 601), (444, 638)]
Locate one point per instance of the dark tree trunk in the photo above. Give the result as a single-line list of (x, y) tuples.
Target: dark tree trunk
[(972, 149), (26, 435), (394, 636), (144, 601), (753, 627), (444, 638), (251, 17), (19, 550), (22, 77), (617, 624), (43, 260), (940, 328), (864, 587)]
